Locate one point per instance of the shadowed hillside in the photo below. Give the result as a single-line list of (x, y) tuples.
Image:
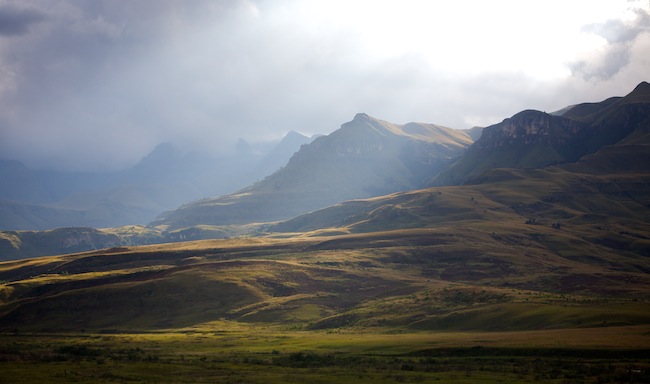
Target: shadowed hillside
[(533, 139), (365, 157)]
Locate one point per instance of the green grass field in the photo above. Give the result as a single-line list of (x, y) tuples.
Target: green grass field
[(407, 306), (246, 353)]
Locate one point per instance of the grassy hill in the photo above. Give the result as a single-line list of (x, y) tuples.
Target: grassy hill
[(484, 267), (569, 200), (467, 301), (21, 244)]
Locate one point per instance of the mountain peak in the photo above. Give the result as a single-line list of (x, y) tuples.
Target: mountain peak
[(640, 94), (291, 140), (163, 153), (293, 135), (361, 116), (364, 126), (643, 85), (529, 114)]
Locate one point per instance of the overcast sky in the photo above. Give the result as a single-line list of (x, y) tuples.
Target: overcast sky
[(98, 84)]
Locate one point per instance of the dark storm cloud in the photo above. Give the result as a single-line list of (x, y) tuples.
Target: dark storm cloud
[(17, 21), (109, 80), (91, 84), (98, 84)]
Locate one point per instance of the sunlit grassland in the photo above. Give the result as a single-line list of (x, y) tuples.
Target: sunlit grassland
[(470, 301), (445, 278), (239, 352)]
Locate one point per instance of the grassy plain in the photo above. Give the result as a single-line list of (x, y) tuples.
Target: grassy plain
[(251, 353)]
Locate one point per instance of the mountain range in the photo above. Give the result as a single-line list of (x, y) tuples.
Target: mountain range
[(372, 174), (365, 157), (369, 157), (162, 180)]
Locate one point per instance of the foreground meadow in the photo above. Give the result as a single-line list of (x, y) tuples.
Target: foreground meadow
[(447, 304), (246, 353)]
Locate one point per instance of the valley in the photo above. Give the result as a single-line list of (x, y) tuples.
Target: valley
[(324, 192), (397, 306), (441, 256)]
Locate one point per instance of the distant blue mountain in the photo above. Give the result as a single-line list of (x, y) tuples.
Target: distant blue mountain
[(161, 181)]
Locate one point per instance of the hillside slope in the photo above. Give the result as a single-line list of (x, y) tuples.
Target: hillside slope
[(365, 157), (612, 183), (533, 139), (21, 244), (461, 276)]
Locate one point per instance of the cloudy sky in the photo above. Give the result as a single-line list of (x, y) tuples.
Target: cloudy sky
[(98, 84)]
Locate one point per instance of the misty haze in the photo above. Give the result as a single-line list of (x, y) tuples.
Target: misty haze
[(324, 191)]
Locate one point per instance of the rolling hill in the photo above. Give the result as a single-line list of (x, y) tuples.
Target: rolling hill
[(465, 275), (21, 244)]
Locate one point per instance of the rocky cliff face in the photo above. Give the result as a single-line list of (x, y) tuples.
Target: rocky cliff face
[(533, 139), (531, 127)]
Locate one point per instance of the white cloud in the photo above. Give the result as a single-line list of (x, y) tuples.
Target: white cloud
[(618, 44)]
